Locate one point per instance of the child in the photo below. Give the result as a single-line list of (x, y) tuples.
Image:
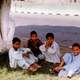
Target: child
[(71, 61), (17, 57), (50, 49), (34, 44)]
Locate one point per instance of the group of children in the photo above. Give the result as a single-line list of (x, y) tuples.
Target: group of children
[(36, 52)]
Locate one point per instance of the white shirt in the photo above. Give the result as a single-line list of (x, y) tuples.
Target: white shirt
[(52, 54), (15, 57), (73, 67), (74, 64)]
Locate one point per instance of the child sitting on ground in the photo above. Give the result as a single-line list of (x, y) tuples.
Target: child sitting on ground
[(50, 49), (19, 57), (34, 43), (70, 64)]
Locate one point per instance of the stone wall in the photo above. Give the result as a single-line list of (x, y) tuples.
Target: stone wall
[(1, 2), (4, 22), (0, 15)]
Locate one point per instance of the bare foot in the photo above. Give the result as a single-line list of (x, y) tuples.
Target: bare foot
[(36, 65), (33, 69), (49, 78)]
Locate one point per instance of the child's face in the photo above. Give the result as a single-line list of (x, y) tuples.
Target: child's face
[(50, 40), (76, 50), (34, 37), (16, 45)]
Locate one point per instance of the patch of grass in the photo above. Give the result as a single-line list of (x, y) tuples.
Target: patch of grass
[(20, 75)]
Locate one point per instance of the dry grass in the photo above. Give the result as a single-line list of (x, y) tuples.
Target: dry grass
[(22, 75), (19, 74)]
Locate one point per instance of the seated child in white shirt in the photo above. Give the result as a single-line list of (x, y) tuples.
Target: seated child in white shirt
[(50, 49), (70, 64), (19, 57)]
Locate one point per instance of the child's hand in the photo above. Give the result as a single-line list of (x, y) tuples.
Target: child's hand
[(25, 55), (58, 69), (47, 44)]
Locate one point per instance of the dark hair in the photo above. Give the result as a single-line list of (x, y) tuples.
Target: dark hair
[(33, 32), (15, 39), (49, 35), (76, 45)]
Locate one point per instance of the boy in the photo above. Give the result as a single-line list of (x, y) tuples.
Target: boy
[(34, 43), (71, 61), (50, 49), (18, 55)]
